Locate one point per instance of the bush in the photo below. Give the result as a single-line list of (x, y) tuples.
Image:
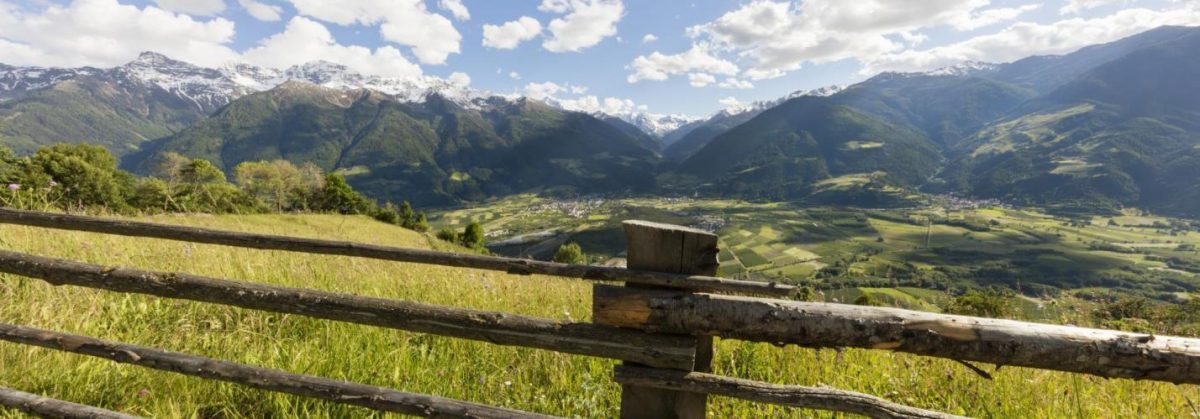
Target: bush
[(570, 253), (447, 234), (987, 303), (421, 225)]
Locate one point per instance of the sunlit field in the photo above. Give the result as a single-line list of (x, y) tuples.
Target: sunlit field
[(520, 378)]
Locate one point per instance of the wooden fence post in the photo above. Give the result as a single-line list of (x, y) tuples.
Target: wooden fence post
[(673, 249)]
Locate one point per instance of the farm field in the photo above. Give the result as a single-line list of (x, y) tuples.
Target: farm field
[(520, 378), (947, 247)]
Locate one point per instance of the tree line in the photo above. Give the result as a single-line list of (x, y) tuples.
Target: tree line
[(86, 178)]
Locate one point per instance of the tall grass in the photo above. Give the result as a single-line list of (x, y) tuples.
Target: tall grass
[(520, 378)]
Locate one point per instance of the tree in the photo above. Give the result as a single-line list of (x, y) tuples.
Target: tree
[(279, 183), (473, 235), (570, 253), (337, 196), (200, 171), (421, 225), (84, 175), (406, 215), (868, 300)]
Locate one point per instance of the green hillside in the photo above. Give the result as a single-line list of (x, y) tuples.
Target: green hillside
[(786, 150), (431, 153), (96, 110)]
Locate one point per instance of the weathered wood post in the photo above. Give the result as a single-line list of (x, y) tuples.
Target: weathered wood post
[(674, 249)]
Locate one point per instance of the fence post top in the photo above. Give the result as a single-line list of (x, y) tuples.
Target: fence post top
[(663, 226)]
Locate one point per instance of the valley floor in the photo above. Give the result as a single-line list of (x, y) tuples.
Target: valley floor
[(514, 377)]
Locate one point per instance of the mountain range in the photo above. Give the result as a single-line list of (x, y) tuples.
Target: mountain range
[(1109, 125)]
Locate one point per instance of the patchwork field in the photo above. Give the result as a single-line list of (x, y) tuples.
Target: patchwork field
[(944, 246)]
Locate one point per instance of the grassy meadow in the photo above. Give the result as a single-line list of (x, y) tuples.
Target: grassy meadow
[(519, 378)]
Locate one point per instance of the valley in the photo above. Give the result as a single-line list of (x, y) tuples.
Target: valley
[(946, 244)]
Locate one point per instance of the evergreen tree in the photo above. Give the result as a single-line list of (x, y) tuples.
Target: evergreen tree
[(473, 235), (421, 225)]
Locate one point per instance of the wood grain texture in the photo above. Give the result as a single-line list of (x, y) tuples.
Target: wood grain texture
[(699, 282), (493, 327), (794, 396), (1098, 352), (46, 407), (378, 398)]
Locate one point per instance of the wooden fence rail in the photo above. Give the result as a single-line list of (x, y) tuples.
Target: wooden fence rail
[(494, 327), (51, 408), (398, 254), (378, 398), (659, 324), (1098, 352)]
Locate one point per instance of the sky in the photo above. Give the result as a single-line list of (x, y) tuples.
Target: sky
[(690, 57)]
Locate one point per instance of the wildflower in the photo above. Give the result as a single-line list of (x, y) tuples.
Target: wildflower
[(13, 186)]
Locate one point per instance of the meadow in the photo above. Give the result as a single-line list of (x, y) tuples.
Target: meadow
[(520, 378)]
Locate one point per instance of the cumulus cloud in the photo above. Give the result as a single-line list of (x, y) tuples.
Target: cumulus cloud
[(988, 17), (459, 79), (456, 9), (262, 11), (431, 36), (659, 66), (105, 33), (608, 105), (649, 38), (514, 75), (734, 83), (732, 105), (769, 38), (193, 7), (1076, 6), (305, 40), (1026, 38), (511, 34), (701, 79), (587, 22)]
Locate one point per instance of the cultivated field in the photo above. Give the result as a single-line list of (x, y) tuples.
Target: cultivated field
[(527, 379)]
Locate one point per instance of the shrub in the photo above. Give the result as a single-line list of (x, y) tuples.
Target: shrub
[(987, 303), (448, 234), (570, 253), (473, 236)]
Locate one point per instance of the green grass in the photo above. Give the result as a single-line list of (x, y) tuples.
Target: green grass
[(513, 377)]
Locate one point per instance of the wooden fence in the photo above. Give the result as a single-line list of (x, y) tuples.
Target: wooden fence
[(660, 324)]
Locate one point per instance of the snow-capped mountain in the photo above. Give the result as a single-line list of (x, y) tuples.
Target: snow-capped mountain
[(211, 88), (965, 68), (15, 81), (657, 125)]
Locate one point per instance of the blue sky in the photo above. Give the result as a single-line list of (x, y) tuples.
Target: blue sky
[(705, 55)]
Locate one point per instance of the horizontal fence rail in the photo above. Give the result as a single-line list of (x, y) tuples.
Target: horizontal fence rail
[(330, 247), (378, 398), (1103, 353), (797, 396), (51, 408), (493, 327)]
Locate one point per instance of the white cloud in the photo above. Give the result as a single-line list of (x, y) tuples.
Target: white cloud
[(262, 11), (541, 91), (734, 83), (193, 7), (608, 105), (1026, 38), (514, 75), (104, 33), (555, 6), (658, 66), (988, 17), (511, 34), (732, 105), (587, 22), (431, 36), (456, 9), (649, 38), (306, 40), (579, 90), (701, 79), (769, 38), (1076, 6), (459, 79)]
